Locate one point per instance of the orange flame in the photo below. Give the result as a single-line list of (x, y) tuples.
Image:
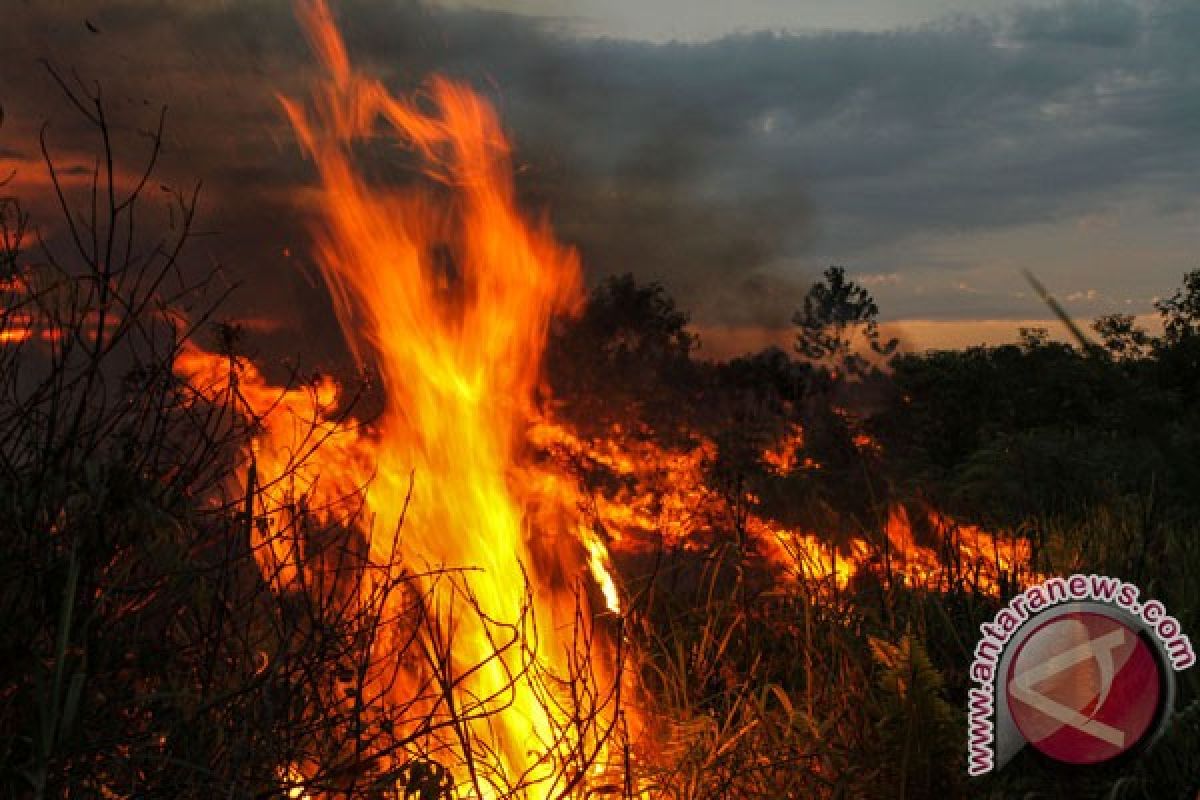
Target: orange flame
[(664, 497), (447, 289)]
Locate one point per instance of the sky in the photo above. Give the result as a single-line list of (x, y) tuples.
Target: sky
[(731, 151), (706, 20)]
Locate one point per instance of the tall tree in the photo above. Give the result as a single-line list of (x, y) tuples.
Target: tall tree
[(836, 316)]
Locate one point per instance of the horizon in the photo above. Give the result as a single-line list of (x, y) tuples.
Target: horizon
[(729, 154)]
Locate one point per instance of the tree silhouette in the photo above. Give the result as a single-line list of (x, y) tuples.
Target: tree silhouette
[(1121, 337), (836, 313), (1181, 311), (627, 356)]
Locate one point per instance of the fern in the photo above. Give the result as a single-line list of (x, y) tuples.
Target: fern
[(918, 730)]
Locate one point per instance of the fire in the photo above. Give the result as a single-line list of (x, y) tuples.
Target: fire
[(665, 499), (783, 456), (293, 425), (981, 558), (15, 335), (447, 290), (598, 562)]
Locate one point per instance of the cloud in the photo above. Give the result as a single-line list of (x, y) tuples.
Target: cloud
[(730, 169), (879, 279), (1090, 23)]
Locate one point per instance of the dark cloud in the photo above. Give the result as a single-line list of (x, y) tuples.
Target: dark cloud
[(717, 167), (1092, 23)]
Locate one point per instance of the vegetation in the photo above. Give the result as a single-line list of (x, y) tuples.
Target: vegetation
[(147, 656), (1086, 451)]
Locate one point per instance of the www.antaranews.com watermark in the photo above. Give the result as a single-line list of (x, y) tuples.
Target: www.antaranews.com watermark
[(1078, 667)]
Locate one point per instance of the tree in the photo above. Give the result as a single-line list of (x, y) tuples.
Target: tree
[(627, 357), (1032, 338), (1121, 337), (1181, 311), (837, 313), (1177, 353)]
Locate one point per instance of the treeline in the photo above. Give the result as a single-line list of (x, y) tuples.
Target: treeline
[(1087, 449), (146, 655), (1003, 434)]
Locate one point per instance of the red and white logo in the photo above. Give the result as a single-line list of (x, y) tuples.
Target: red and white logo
[(1084, 688)]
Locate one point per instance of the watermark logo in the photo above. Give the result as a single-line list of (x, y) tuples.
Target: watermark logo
[(1078, 668), (1084, 688)]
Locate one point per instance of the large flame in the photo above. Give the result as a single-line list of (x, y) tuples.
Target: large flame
[(446, 289)]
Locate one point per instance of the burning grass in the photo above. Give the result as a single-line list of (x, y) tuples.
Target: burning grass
[(528, 682), (490, 589)]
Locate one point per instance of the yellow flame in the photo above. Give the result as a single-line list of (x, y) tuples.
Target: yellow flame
[(447, 289)]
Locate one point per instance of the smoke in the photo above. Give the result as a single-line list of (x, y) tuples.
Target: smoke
[(632, 164), (731, 170)]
